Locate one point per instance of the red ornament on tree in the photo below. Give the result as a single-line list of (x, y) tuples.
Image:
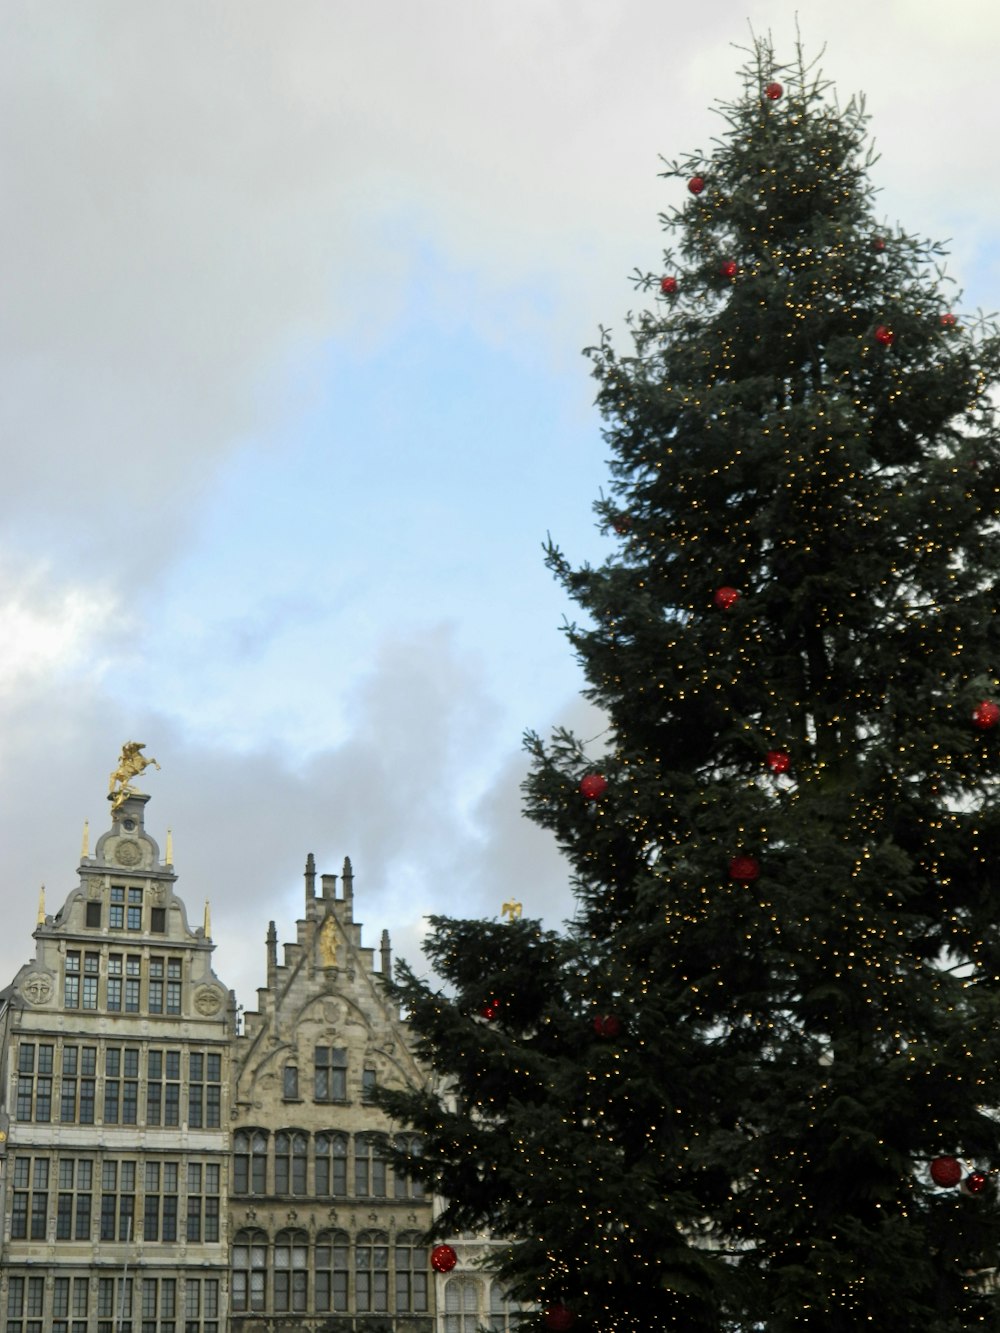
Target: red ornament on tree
[(622, 523), (773, 91), (443, 1258), (696, 184), (668, 286), (884, 336), (490, 1009), (975, 1182), (607, 1025), (593, 785), (778, 761), (744, 869), (559, 1319), (986, 715), (724, 598), (728, 268), (878, 244), (948, 321), (946, 1171)]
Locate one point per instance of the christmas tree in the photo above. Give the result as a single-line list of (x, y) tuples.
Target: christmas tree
[(755, 1083)]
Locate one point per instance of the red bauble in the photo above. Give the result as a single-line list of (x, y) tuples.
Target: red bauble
[(558, 1318), (779, 761), (593, 785), (773, 91), (946, 1171), (948, 321), (607, 1025), (696, 184), (878, 244), (725, 598), (668, 286), (490, 1009), (975, 1182), (622, 523), (443, 1258), (744, 869), (986, 715), (884, 336), (728, 268)]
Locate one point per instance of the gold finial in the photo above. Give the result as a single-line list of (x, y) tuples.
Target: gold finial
[(170, 851), (41, 906), (208, 920), (85, 846), (511, 909)]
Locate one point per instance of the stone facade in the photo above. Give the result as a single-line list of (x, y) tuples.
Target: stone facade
[(114, 1108), (324, 1235)]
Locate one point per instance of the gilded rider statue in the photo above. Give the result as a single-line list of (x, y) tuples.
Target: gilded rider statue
[(131, 763)]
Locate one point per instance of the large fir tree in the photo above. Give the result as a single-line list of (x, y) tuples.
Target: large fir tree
[(714, 1100)]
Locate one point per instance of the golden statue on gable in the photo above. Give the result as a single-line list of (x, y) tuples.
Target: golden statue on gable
[(131, 763), (328, 943)]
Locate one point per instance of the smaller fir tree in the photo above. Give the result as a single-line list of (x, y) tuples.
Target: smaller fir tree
[(740, 1090)]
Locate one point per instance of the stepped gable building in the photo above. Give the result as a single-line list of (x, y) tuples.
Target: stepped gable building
[(324, 1235), (114, 1103)]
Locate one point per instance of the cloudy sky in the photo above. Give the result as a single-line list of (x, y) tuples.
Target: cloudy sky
[(291, 392)]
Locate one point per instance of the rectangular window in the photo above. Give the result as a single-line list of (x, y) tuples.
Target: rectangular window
[(330, 1074), (71, 979), (134, 915), (158, 920), (290, 1083), (94, 914), (367, 1085), (115, 982)]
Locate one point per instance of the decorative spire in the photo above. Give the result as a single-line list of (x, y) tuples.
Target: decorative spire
[(169, 858), (272, 952), (310, 877), (41, 906), (85, 845), (208, 915), (347, 875), (386, 956)]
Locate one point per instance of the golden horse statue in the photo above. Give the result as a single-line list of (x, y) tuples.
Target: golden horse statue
[(131, 763)]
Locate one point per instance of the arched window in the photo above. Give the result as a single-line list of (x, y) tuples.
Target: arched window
[(291, 1270), (332, 1266), (249, 1270), (331, 1165), (290, 1154), (461, 1305), (371, 1272), (405, 1188), (411, 1274), (503, 1310), (370, 1166), (250, 1162)]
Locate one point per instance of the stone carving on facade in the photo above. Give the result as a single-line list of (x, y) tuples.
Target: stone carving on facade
[(128, 853), (37, 988), (157, 895), (207, 1001), (94, 887)]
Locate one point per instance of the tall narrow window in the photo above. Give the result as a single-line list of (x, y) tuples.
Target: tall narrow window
[(91, 979), (115, 972), (331, 1165), (371, 1272), (370, 1165), (249, 1278), (290, 1083), (173, 985), (291, 1249), (404, 1186), (411, 1274), (134, 917), (133, 973), (503, 1310), (290, 1150), (155, 991), (75, 1198), (331, 1268), (71, 979), (249, 1162), (116, 914)]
